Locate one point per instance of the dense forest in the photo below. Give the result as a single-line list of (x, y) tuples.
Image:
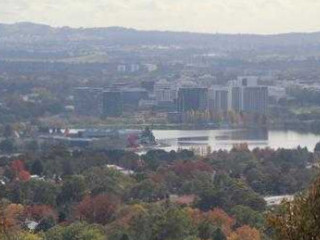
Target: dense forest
[(119, 195)]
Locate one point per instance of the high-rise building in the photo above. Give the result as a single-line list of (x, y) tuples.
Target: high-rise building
[(192, 99), (247, 96), (235, 99), (88, 101), (164, 92), (255, 99), (112, 104), (219, 99)]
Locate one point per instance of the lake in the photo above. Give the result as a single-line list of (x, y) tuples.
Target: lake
[(225, 139)]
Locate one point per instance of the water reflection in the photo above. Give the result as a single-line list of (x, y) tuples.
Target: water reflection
[(245, 134), (226, 139)]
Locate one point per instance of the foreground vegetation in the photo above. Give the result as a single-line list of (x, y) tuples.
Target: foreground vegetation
[(65, 195)]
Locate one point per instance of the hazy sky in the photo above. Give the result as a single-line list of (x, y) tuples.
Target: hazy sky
[(230, 16)]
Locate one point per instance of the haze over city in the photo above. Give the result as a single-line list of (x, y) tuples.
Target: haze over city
[(159, 119), (210, 16)]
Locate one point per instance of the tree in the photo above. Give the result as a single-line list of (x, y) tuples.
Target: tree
[(33, 191), (245, 233), (187, 169), (218, 235), (221, 219), (300, 218), (45, 215), (45, 224), (28, 236), (207, 230), (37, 168), (104, 180), (148, 190), (173, 224), (10, 219), (73, 189), (76, 231), (99, 209), (247, 216), (39, 212), (19, 171)]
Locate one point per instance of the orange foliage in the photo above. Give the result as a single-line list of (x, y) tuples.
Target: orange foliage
[(221, 219), (196, 216), (128, 214), (245, 233), (10, 217)]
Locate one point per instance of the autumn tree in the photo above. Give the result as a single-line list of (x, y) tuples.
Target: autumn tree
[(298, 219), (221, 219), (245, 233), (10, 219), (98, 209), (19, 171), (39, 212)]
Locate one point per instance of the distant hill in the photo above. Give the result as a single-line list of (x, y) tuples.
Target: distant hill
[(41, 38)]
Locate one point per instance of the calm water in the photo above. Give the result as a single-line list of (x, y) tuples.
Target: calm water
[(225, 139)]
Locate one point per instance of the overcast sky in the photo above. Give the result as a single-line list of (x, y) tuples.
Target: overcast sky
[(223, 16)]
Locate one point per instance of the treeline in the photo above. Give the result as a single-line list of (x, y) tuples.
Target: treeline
[(118, 195)]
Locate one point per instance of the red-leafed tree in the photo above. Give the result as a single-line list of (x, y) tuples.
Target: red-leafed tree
[(19, 171), (17, 166), (24, 176), (39, 212), (186, 169), (99, 209)]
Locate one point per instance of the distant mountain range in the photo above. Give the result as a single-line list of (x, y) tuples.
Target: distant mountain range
[(39, 37)]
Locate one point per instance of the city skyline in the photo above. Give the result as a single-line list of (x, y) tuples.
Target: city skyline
[(208, 16)]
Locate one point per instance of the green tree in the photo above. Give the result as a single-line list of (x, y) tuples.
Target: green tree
[(76, 231), (104, 180), (37, 168), (33, 192), (247, 216), (218, 235), (73, 189)]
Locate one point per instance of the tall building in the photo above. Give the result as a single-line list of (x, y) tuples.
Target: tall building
[(112, 104), (192, 99), (221, 100), (255, 99), (235, 99), (164, 92), (88, 101), (247, 96)]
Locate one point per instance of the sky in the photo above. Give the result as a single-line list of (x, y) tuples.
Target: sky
[(211, 16)]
